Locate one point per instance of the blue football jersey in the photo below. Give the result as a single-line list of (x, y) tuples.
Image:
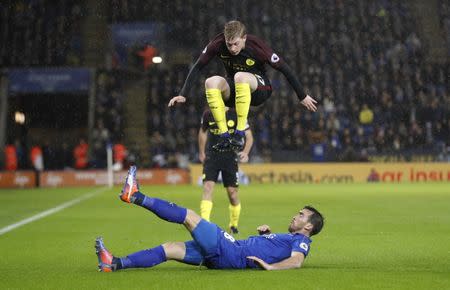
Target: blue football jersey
[(271, 248)]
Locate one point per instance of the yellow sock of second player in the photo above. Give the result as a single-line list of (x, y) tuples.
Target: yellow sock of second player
[(243, 98), (217, 107), (235, 212), (205, 209)]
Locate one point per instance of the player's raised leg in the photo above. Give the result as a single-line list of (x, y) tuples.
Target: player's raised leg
[(217, 89), (214, 98), (163, 209), (245, 84), (168, 211), (203, 232)]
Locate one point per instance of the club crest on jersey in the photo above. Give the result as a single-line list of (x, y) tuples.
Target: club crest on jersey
[(274, 58), (304, 246), (250, 62)]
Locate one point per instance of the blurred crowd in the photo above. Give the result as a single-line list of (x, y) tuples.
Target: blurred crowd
[(108, 125), (444, 20), (40, 33)]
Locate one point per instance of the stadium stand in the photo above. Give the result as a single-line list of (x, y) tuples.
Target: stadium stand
[(444, 19), (40, 33)]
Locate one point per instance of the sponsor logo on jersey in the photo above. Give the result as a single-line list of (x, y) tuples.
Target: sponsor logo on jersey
[(274, 58), (215, 131), (250, 62), (230, 123)]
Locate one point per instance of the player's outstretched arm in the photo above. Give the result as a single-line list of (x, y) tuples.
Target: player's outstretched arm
[(294, 261), (305, 99), (191, 78)]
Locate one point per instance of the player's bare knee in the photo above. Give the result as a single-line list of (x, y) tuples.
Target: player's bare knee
[(233, 195), (241, 77), (234, 201), (174, 250), (208, 187), (192, 219), (168, 247), (214, 82), (207, 195), (209, 83)]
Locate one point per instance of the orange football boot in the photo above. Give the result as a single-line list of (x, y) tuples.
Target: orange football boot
[(130, 187), (104, 256)]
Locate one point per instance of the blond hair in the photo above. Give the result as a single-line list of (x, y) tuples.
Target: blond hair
[(234, 29)]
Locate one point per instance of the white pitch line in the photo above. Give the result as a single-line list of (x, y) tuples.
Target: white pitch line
[(50, 211)]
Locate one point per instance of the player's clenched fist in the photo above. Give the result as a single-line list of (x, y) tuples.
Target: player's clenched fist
[(263, 230)]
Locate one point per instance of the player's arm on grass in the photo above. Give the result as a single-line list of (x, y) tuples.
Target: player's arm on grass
[(294, 261), (202, 138), (243, 155)]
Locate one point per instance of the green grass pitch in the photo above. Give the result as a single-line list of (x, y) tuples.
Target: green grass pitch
[(376, 236)]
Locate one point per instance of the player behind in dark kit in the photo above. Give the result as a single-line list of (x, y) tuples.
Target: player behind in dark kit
[(244, 57), (226, 163)]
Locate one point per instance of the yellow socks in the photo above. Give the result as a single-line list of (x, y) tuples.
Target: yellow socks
[(217, 107), (243, 98), (205, 209), (235, 212)]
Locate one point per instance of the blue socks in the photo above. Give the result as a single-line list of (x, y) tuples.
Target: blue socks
[(144, 259), (165, 210), (151, 257)]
